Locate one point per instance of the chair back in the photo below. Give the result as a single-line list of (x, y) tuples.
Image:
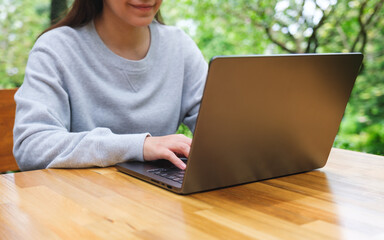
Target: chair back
[(7, 120)]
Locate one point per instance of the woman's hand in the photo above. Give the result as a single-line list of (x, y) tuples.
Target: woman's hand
[(167, 147)]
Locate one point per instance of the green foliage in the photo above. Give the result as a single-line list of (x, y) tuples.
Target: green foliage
[(21, 22), (363, 126), (184, 130), (214, 31)]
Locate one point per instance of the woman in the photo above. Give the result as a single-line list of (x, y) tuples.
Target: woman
[(108, 84)]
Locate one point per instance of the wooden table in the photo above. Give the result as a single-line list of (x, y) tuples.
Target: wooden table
[(344, 200)]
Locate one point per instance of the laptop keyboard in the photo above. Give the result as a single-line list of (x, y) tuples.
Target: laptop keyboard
[(173, 173)]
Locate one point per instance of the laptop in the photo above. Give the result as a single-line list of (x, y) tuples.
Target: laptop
[(260, 117)]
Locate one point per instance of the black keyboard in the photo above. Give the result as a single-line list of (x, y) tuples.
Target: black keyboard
[(173, 173)]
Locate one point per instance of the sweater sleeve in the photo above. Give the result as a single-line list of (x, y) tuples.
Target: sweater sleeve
[(42, 130), (195, 73)]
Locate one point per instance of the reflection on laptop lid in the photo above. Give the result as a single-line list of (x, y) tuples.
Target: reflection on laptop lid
[(261, 117)]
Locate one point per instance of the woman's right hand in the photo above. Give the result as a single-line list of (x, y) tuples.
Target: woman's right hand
[(167, 147)]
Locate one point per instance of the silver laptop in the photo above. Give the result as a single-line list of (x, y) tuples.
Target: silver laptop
[(260, 117)]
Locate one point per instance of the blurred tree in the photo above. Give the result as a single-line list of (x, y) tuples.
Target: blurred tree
[(294, 26), (21, 21), (307, 25)]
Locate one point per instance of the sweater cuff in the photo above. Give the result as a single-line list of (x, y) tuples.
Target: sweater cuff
[(124, 147), (137, 153), (140, 153)]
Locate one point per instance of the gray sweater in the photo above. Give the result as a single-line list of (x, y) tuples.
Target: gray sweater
[(81, 105)]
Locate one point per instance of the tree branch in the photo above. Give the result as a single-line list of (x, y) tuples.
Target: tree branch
[(315, 29), (278, 43), (364, 26)]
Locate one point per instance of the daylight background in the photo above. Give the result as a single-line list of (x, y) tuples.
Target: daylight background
[(229, 27)]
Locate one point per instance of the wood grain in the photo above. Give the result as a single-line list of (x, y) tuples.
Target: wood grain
[(343, 200), (7, 119)]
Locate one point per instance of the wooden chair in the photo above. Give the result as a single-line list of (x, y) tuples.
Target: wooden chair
[(7, 120)]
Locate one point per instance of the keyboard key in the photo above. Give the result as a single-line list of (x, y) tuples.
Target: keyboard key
[(173, 173)]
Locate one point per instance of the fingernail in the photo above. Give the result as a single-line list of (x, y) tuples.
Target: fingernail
[(183, 166)]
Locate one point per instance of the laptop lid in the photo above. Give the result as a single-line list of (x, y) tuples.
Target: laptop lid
[(268, 116)]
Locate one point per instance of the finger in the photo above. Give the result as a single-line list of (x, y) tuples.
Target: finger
[(175, 160), (182, 148), (184, 139)]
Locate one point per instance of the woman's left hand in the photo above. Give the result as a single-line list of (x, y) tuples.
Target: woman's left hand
[(167, 147)]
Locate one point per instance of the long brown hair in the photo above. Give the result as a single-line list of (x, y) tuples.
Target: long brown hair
[(82, 12)]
